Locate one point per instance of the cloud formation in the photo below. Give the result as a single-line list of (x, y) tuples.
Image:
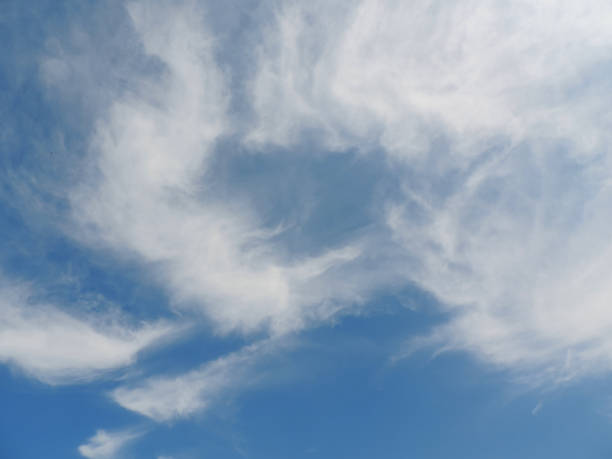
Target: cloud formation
[(520, 253), (106, 445), (495, 114), (167, 398), (405, 75), (55, 347), (149, 197), (489, 119)]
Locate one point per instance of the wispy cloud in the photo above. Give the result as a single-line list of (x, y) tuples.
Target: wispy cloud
[(167, 398), (402, 75), (149, 197), (106, 445), (55, 347), (536, 409), (520, 253), (495, 115), (491, 119)]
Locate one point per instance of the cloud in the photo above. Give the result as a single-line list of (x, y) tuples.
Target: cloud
[(168, 398), (495, 117), (404, 75), (536, 409), (55, 347), (106, 445), (148, 196), (519, 251)]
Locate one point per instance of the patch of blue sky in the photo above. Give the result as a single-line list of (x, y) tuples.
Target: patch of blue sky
[(318, 198), (336, 399)]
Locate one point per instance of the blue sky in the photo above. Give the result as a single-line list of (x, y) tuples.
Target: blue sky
[(273, 229)]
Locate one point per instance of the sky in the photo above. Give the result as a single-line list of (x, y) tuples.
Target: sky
[(326, 229)]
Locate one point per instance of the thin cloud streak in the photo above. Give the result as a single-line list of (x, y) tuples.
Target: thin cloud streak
[(55, 347), (168, 398), (106, 445)]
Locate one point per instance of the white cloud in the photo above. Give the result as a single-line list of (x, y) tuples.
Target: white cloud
[(57, 348), (498, 113), (149, 198), (168, 398), (404, 74), (106, 445), (520, 251)]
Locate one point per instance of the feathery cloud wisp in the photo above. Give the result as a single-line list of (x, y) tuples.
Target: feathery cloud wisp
[(106, 445), (57, 348), (167, 398)]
